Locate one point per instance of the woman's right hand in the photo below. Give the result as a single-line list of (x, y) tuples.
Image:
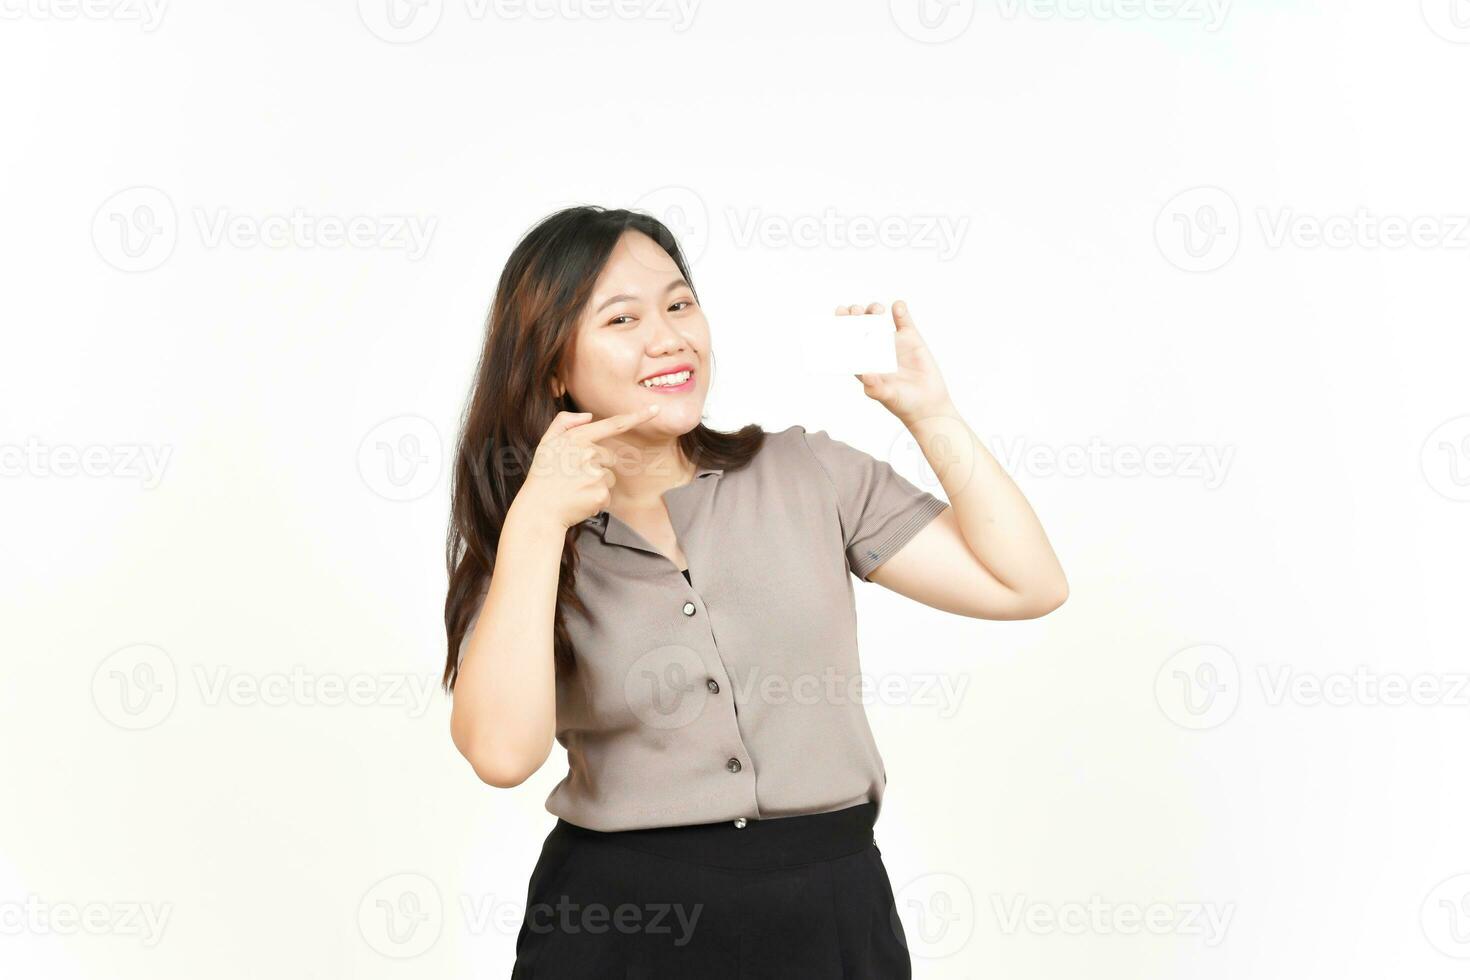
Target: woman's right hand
[(570, 477)]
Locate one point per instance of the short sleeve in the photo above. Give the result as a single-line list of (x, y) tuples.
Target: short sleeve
[(879, 509)]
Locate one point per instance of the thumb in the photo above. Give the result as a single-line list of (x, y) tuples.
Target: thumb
[(902, 319)]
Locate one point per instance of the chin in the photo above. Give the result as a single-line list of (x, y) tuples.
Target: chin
[(678, 419)]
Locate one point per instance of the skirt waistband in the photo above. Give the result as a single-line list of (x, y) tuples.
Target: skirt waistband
[(774, 842)]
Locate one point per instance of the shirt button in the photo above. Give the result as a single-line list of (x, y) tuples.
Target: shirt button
[(689, 609), (713, 685), (733, 765), (739, 822)]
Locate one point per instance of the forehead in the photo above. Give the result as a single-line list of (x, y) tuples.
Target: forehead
[(636, 264)]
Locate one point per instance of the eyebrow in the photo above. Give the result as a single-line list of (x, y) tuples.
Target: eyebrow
[(624, 296)]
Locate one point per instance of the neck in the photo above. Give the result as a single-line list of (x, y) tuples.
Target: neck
[(645, 472)]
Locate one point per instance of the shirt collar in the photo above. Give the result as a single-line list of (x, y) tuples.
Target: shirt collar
[(600, 520)]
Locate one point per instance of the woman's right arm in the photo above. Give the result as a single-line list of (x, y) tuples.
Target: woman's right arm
[(503, 719), (504, 713)]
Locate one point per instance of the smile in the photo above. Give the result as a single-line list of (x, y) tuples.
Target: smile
[(677, 381)]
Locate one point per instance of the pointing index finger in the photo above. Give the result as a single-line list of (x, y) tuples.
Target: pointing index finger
[(613, 424)]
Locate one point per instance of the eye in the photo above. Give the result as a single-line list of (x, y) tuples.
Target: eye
[(614, 320), (682, 302)]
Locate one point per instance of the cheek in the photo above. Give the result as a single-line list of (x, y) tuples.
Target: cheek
[(607, 362)]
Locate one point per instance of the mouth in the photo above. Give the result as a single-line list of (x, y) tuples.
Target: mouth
[(676, 381)]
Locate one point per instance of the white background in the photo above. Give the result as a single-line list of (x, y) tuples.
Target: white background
[(1252, 708)]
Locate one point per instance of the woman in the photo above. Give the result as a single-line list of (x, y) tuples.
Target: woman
[(674, 604)]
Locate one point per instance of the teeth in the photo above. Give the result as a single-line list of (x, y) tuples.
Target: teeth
[(664, 380)]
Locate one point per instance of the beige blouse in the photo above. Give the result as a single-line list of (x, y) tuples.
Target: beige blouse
[(731, 696)]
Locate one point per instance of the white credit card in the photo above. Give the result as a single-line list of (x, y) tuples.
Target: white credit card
[(851, 344)]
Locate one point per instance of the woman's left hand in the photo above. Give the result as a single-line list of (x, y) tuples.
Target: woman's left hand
[(916, 389)]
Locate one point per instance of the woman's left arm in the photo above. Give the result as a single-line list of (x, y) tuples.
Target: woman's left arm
[(986, 555)]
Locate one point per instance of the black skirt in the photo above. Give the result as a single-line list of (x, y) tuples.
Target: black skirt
[(804, 896)]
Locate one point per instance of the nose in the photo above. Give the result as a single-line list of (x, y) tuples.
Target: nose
[(667, 337)]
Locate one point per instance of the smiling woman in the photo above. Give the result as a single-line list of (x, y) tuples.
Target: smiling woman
[(660, 597)]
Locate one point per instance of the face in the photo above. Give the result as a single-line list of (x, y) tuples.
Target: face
[(642, 322)]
